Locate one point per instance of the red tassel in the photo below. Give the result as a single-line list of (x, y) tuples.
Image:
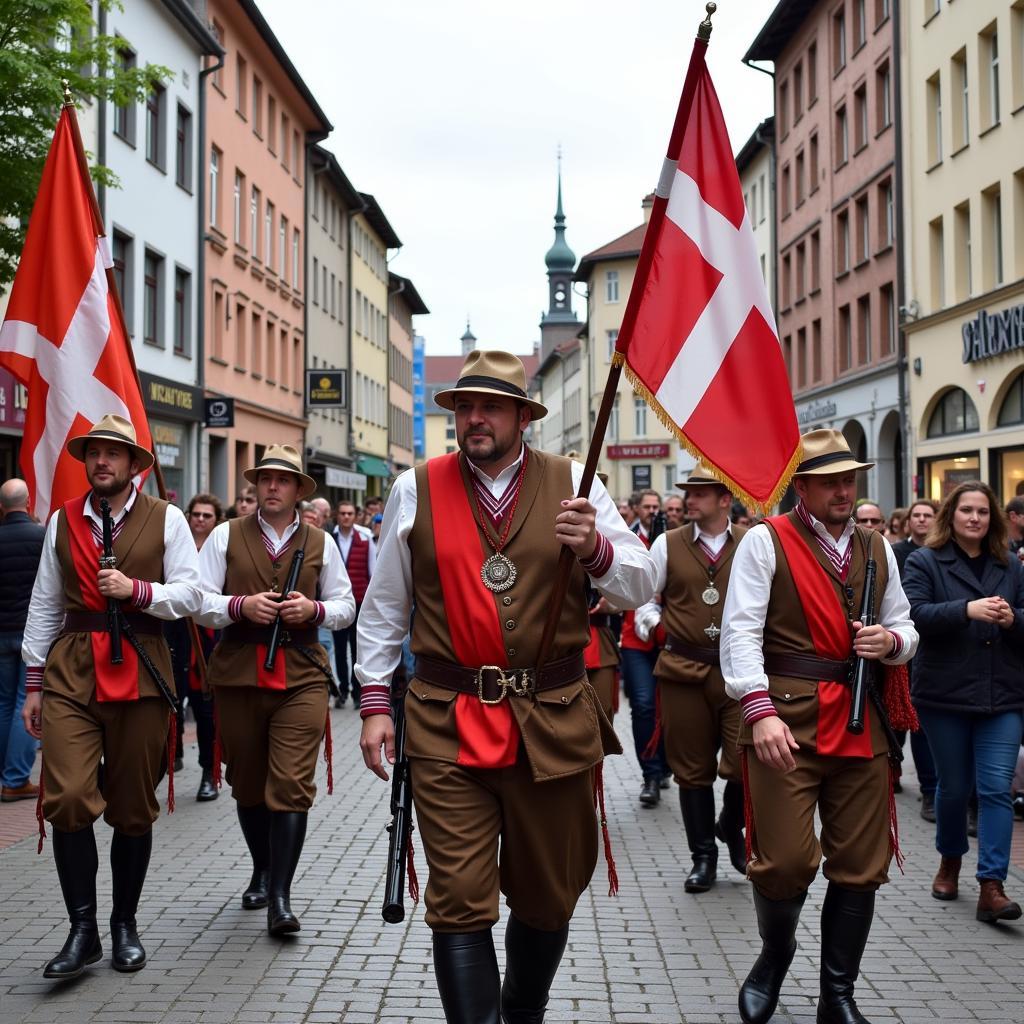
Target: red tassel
[(329, 754), (410, 871), (748, 807), (613, 875), (39, 808), (172, 753), (899, 710), (894, 826), (615, 694), (651, 750), (217, 752)]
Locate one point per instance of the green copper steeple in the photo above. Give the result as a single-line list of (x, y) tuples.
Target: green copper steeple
[(560, 256)]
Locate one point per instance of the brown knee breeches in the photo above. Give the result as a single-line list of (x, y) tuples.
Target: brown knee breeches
[(698, 721)]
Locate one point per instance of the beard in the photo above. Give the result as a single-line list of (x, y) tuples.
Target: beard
[(486, 449), (107, 489)]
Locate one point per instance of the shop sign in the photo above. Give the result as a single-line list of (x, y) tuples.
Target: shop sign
[(816, 411), (638, 451), (325, 389), (334, 477), (993, 334), (169, 398), (13, 401), (220, 412), (168, 443), (641, 478)]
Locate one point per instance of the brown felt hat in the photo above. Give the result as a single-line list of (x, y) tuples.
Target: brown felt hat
[(700, 476), (111, 428), (826, 452), (283, 457), (492, 373)]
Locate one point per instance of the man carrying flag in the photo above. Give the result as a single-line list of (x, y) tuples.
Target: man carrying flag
[(502, 744)]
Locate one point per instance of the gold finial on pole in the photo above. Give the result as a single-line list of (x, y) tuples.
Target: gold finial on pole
[(704, 31), (66, 85)]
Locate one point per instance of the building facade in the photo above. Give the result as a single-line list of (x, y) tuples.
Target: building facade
[(756, 165), (262, 119), (404, 303), (835, 222), (963, 94)]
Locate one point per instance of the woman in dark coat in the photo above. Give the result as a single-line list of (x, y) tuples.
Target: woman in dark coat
[(967, 601)]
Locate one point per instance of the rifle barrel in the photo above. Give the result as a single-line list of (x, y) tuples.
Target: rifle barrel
[(862, 666)]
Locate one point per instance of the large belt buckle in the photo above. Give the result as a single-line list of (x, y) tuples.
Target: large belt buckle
[(504, 682)]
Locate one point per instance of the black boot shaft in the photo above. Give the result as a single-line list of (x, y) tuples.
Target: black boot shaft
[(776, 923), (532, 957), (255, 824), (287, 835), (846, 917), (466, 969), (77, 862), (730, 825), (129, 862), (698, 807)]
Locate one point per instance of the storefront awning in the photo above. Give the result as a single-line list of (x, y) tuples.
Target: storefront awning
[(372, 466)]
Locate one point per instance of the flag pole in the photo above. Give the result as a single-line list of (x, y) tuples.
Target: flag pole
[(97, 216), (565, 557)]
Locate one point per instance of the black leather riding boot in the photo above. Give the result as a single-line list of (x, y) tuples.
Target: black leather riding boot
[(846, 918), (287, 834), (730, 824), (129, 861), (77, 863), (532, 957), (698, 806), (466, 969), (255, 822), (776, 923)]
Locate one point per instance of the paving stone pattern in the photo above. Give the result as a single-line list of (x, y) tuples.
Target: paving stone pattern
[(652, 954)]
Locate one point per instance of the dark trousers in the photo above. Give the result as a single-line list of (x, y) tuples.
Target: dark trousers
[(202, 712), (642, 687), (345, 659)]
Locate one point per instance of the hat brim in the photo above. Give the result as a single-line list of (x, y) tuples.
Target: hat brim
[(446, 399), (834, 468), (76, 448), (307, 485), (685, 485)]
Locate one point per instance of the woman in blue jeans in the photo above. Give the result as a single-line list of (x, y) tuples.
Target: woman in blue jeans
[(966, 597)]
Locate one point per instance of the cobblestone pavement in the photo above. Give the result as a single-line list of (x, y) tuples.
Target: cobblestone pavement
[(651, 955)]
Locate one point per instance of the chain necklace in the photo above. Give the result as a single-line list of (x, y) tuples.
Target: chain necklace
[(499, 572)]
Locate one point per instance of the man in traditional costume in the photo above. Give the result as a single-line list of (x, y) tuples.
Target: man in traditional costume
[(696, 718), (499, 745), (272, 717), (790, 635), (85, 706)]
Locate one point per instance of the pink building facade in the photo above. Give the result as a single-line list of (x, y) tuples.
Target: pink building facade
[(261, 118), (836, 218)]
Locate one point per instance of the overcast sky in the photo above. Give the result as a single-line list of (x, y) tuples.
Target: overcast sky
[(451, 113)]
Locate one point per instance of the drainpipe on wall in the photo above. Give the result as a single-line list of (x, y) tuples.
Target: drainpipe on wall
[(896, 63)]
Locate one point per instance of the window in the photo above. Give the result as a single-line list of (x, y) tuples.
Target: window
[(639, 417), (316, 283), (813, 164), (241, 85), (763, 191), (237, 207), (613, 337), (798, 92), (256, 336), (992, 262), (282, 262), (934, 126), (271, 124), (124, 116), (183, 149), (886, 215), (887, 320), (269, 353), (863, 232), (812, 73), (254, 223), (241, 321), (843, 242), (784, 192), (800, 178), (961, 100), (842, 136), (864, 330), (218, 76), (156, 147), (783, 109), (931, 8), (218, 326), (787, 356), (962, 251), (883, 96), (988, 64), (1017, 243), (296, 158), (845, 339), (839, 40), (215, 156), (326, 293), (816, 351), (182, 311), (752, 202), (333, 293), (257, 106), (282, 365), (882, 11), (860, 118), (787, 281), (124, 275), (1011, 412), (611, 286), (613, 420), (815, 261), (296, 252), (955, 414), (268, 235), (1017, 52), (936, 241), (801, 271), (860, 24), (152, 299), (286, 134)]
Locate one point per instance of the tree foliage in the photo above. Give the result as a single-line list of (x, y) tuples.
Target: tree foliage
[(41, 43)]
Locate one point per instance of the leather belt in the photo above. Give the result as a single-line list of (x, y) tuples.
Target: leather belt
[(601, 620), (491, 683), (807, 666), (705, 655), (97, 622), (240, 633)]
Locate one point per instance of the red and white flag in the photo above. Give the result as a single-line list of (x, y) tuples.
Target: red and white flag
[(63, 336), (698, 338)]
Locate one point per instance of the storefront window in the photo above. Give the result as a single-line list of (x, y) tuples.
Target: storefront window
[(170, 442), (941, 475), (1008, 472), (955, 414), (1011, 412)]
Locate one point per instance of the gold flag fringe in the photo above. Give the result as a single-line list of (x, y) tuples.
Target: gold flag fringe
[(619, 359)]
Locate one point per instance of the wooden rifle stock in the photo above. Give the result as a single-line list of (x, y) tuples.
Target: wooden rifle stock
[(862, 666), (109, 561), (275, 633)]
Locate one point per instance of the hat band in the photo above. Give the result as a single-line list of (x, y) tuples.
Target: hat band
[(468, 383), (277, 464), (824, 460), (103, 435)]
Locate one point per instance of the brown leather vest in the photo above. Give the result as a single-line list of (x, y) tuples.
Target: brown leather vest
[(786, 630), (683, 613), (250, 570), (139, 550)]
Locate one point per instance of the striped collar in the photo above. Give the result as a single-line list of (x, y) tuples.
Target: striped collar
[(496, 494), (838, 552), (96, 520), (276, 544)]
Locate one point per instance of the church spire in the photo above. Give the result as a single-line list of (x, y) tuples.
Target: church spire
[(560, 256)]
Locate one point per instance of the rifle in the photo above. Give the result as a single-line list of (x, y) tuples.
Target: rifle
[(277, 629), (861, 676), (400, 827), (109, 561), (659, 525)]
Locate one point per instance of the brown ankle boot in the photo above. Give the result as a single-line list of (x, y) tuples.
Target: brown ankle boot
[(994, 904), (946, 883)]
